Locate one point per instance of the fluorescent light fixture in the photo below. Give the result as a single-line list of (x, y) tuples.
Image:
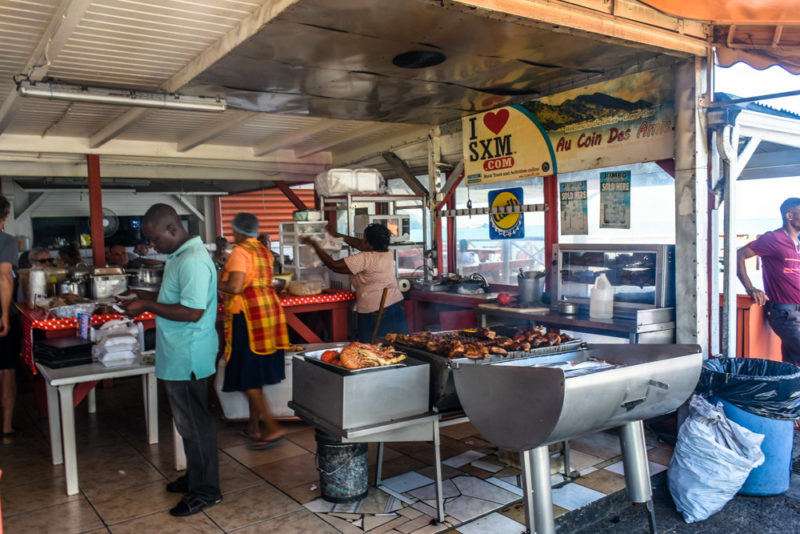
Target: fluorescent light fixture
[(121, 97)]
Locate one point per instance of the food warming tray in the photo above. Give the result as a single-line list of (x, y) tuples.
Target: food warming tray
[(443, 396), (346, 400)]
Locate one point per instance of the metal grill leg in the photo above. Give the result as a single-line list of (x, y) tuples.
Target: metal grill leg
[(527, 489), (379, 467), (637, 469), (634, 459), (651, 516), (437, 461), (542, 494)]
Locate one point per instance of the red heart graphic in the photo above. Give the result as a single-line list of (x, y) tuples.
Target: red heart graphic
[(496, 121)]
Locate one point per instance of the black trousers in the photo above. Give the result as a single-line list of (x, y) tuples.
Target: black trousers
[(785, 321), (188, 400)]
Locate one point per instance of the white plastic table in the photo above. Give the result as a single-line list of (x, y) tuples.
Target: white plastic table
[(60, 386)]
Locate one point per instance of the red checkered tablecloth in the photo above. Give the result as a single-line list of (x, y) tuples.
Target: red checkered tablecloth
[(39, 320), (322, 298)]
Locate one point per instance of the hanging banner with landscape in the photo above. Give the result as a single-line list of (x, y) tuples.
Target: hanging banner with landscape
[(617, 122)]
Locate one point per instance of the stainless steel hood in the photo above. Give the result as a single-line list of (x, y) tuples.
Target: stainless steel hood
[(539, 405), (335, 59)]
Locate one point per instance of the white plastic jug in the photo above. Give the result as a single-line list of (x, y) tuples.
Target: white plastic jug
[(601, 299)]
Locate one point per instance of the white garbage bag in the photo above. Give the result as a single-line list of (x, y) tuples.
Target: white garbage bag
[(712, 460)]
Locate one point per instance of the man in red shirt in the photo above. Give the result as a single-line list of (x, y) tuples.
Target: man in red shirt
[(779, 251)]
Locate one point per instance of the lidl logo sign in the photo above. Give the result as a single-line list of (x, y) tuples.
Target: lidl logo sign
[(506, 221)]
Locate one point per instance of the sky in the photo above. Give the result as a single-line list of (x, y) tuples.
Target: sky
[(758, 200), (743, 80)]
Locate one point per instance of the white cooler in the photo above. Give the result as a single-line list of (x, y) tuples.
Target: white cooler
[(340, 181)]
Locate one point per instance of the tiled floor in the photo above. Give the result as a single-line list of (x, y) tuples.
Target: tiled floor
[(277, 490)]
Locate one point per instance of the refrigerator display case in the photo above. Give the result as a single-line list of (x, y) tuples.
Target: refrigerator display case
[(643, 276)]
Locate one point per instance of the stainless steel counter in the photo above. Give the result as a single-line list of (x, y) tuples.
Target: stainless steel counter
[(646, 326)]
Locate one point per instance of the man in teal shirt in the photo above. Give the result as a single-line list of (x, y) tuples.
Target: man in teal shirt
[(186, 350)]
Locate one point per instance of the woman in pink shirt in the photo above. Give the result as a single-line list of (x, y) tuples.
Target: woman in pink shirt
[(371, 271)]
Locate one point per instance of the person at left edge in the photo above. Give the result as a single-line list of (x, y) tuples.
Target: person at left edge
[(186, 349), (9, 326)]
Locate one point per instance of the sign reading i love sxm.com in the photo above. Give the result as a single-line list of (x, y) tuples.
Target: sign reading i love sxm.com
[(505, 144)]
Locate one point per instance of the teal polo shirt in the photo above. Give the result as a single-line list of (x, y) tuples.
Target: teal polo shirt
[(183, 348)]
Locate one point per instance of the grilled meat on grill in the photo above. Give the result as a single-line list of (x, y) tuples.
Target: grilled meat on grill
[(479, 344)]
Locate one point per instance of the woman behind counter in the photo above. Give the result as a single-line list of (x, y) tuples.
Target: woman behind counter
[(255, 328), (372, 271)]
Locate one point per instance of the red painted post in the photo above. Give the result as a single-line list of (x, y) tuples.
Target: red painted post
[(96, 210), (452, 249), (550, 220), (217, 216)]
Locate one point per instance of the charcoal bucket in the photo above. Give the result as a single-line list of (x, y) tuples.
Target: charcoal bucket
[(343, 470)]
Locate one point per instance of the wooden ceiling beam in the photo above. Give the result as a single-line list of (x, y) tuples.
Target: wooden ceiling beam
[(278, 141), (358, 133), (203, 135)]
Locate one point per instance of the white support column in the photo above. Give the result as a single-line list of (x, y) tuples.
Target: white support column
[(691, 204), (729, 278), (713, 236)]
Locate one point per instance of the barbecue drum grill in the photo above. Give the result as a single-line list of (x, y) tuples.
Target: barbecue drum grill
[(526, 404)]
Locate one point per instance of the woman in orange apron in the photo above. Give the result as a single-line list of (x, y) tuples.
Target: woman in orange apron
[(255, 328)]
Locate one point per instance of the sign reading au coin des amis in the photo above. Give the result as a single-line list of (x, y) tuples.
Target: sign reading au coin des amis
[(617, 122), (506, 225), (505, 144)]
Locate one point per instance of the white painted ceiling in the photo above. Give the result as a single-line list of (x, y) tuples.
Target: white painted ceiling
[(310, 83)]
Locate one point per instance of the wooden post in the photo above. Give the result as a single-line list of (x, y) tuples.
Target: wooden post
[(96, 210)]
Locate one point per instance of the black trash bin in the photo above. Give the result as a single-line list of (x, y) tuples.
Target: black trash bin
[(764, 397)]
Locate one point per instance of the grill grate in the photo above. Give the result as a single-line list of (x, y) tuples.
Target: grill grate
[(796, 466)]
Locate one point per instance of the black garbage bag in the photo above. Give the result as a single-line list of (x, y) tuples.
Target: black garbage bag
[(761, 387)]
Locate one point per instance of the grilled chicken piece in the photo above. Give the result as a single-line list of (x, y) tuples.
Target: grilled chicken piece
[(487, 333), (553, 339), (361, 355), (503, 341), (498, 350)]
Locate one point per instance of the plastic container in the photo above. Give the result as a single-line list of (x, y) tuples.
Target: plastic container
[(304, 288), (601, 299), (343, 469), (773, 476)]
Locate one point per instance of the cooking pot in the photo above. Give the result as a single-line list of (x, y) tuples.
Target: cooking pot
[(73, 286), (568, 308), (108, 285), (145, 276)]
